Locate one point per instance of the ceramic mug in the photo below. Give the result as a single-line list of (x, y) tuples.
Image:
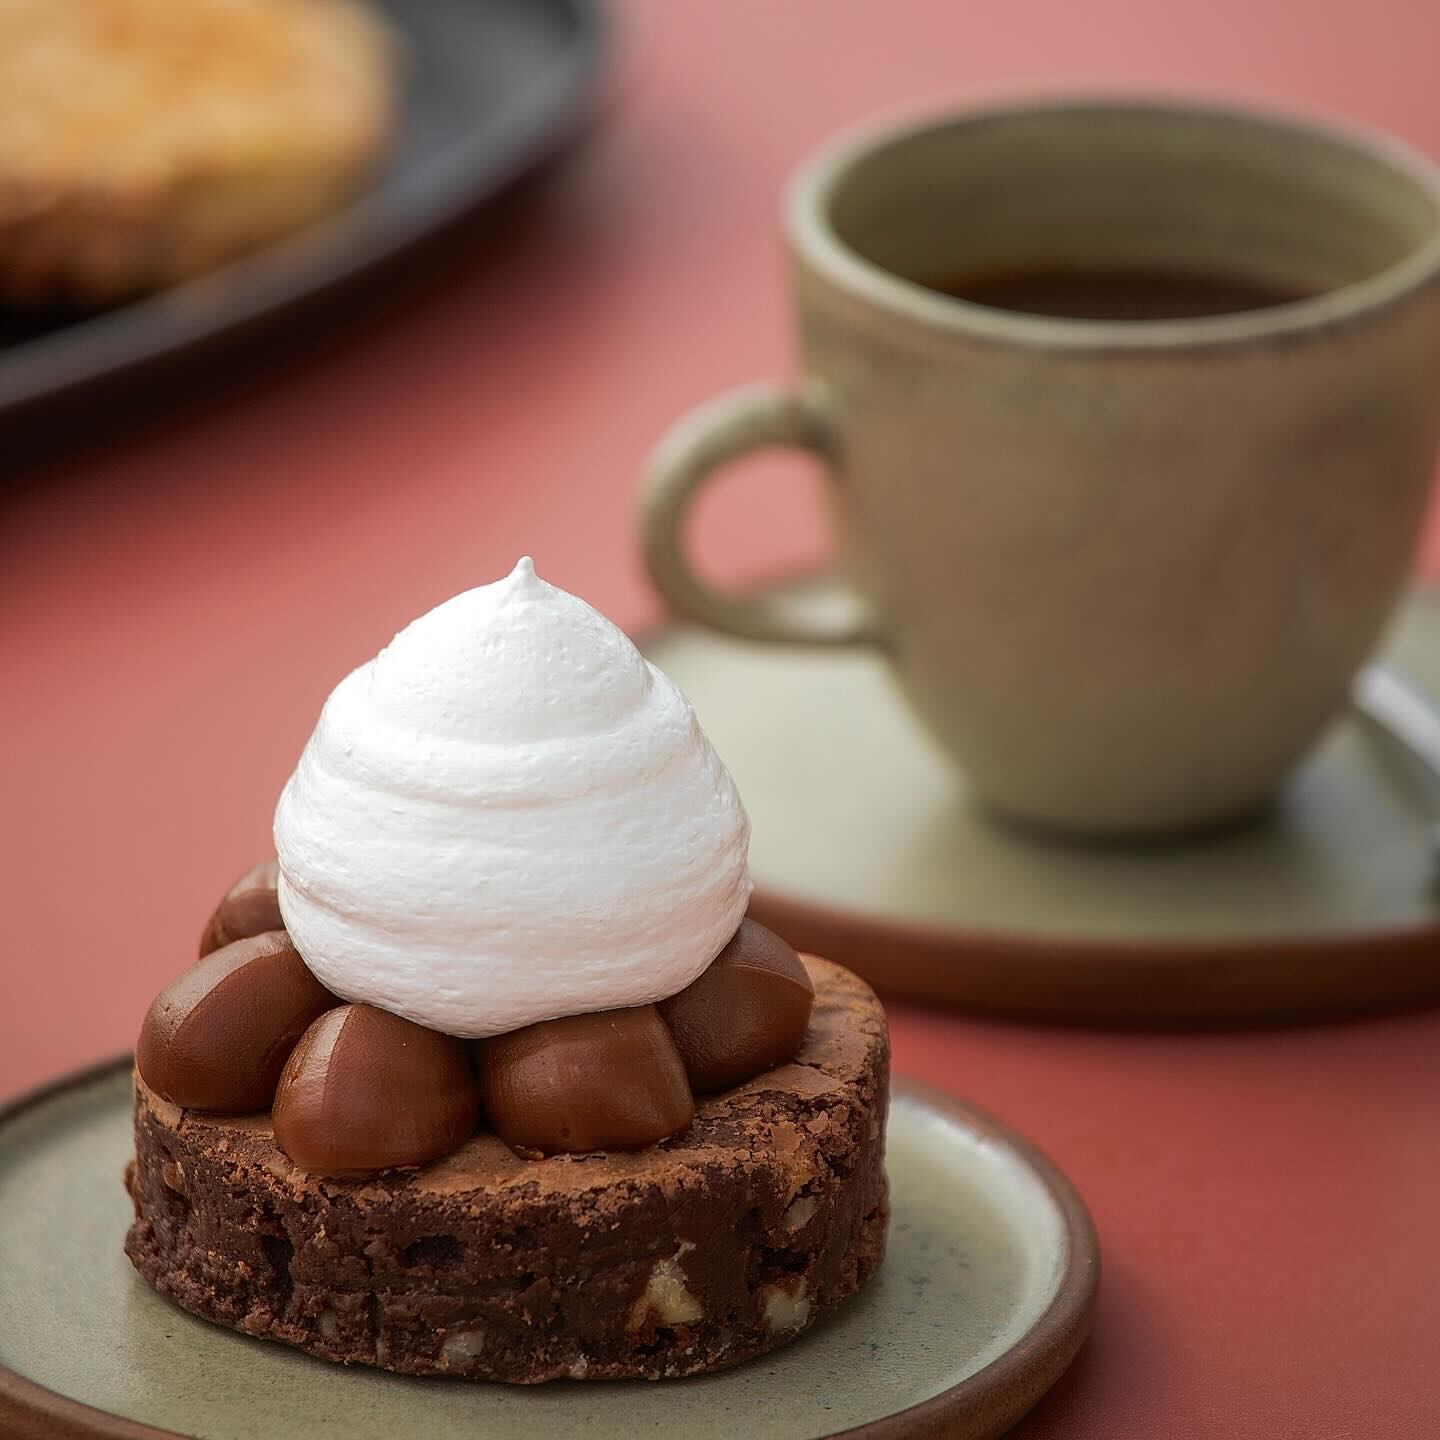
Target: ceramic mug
[(1123, 569)]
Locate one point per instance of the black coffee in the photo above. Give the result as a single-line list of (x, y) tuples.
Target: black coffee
[(1121, 293)]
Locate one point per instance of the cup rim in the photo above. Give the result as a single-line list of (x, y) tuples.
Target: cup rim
[(814, 241)]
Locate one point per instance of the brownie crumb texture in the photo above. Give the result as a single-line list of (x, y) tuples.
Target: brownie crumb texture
[(692, 1255)]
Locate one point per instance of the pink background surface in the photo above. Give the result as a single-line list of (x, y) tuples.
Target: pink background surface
[(174, 608)]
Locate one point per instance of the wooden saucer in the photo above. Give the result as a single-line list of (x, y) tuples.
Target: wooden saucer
[(868, 848)]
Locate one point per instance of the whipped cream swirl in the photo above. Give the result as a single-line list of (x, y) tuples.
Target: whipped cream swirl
[(509, 815)]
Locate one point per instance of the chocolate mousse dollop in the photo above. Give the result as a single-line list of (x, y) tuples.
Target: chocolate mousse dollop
[(612, 1081), (251, 906), (747, 1013), (217, 1037), (365, 1090)]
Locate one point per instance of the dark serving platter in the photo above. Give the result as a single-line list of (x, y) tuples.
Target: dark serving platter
[(493, 87)]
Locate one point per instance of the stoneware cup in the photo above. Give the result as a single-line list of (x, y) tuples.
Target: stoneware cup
[(1124, 571)]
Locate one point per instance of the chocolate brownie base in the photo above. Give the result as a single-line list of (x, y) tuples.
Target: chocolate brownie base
[(689, 1256)]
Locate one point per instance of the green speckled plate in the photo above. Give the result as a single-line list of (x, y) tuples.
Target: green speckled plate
[(868, 849), (983, 1300)]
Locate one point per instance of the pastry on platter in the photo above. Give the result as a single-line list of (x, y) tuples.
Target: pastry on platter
[(143, 142)]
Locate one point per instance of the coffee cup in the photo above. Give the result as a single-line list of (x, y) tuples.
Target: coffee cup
[(1128, 410)]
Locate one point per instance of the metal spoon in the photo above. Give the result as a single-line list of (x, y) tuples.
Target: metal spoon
[(1406, 716)]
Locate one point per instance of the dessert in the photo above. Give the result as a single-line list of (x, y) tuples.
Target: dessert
[(145, 141), (517, 1092)]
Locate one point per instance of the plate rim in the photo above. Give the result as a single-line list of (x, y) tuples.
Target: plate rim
[(1128, 980), (548, 113), (1034, 1361), (1089, 977)]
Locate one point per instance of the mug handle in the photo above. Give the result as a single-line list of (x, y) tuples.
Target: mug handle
[(753, 417)]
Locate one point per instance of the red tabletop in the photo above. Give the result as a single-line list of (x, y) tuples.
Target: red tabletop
[(174, 608)]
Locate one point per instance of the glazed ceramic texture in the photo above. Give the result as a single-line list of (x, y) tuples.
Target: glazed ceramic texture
[(1123, 571)]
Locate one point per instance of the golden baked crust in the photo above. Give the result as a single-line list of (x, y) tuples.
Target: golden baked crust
[(145, 141)]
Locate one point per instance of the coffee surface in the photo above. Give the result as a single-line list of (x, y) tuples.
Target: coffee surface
[(1116, 293)]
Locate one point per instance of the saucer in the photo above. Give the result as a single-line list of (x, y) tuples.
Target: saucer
[(868, 848), (983, 1299)]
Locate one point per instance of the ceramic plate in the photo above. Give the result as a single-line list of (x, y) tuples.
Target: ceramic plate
[(981, 1303), (493, 86), (867, 848)]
